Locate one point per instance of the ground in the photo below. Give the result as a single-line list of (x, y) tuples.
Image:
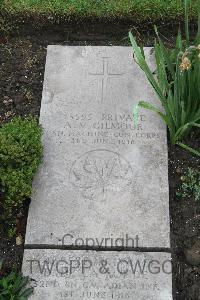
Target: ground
[(22, 59), (105, 9)]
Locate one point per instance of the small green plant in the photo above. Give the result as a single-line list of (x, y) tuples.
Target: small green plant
[(190, 185), (20, 155), (14, 287), (176, 84)]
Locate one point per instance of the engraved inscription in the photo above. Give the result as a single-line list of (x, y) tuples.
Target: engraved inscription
[(105, 75), (98, 172)]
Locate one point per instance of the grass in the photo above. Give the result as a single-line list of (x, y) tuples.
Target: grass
[(137, 10)]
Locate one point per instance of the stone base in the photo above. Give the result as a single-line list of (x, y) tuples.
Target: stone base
[(75, 275)]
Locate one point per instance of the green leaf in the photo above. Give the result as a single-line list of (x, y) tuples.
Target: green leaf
[(27, 293), (143, 65), (20, 156), (179, 44), (178, 90), (187, 34), (197, 41), (14, 287), (166, 56), (193, 151), (151, 107), (135, 114)]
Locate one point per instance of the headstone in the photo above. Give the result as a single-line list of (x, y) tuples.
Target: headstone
[(103, 176), (76, 275), (103, 184)]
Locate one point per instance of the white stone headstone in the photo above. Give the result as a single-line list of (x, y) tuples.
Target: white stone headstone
[(101, 176), (103, 182)]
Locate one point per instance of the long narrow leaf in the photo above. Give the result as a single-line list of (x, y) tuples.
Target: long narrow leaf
[(196, 152), (187, 23), (198, 32), (166, 55), (143, 65), (154, 109)]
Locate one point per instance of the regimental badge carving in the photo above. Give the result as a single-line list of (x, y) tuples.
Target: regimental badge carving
[(97, 173)]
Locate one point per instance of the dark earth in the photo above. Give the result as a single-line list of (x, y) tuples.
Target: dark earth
[(23, 43)]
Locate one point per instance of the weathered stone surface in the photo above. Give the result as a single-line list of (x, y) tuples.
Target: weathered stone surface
[(94, 275), (101, 177)]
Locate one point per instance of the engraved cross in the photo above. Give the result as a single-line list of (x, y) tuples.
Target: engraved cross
[(105, 75)]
